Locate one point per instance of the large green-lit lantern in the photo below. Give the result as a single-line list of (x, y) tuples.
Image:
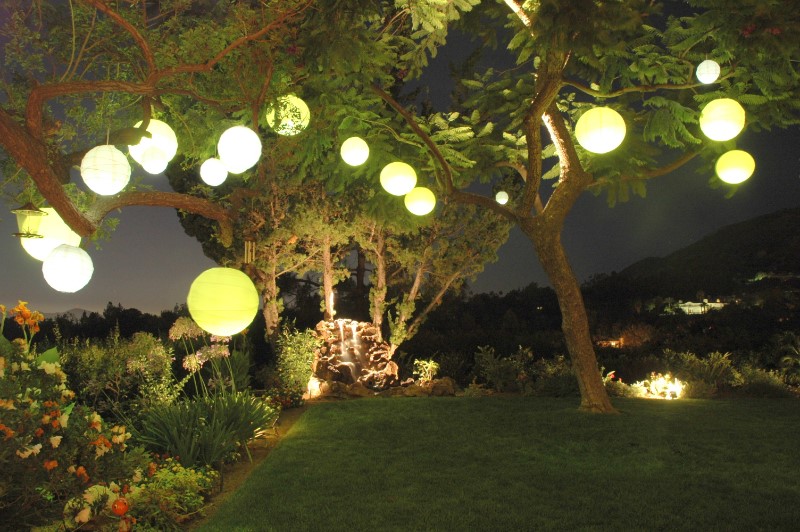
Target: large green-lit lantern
[(222, 301), (290, 116), (239, 149), (722, 119), (156, 151), (355, 151), (735, 166), (420, 201), (67, 268), (105, 170), (54, 233), (600, 130), (398, 178)]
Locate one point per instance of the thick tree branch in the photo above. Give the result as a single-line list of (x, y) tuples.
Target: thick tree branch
[(651, 174), (140, 41), (635, 89)]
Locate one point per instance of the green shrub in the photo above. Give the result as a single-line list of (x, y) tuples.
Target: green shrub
[(716, 371), (498, 372), (455, 365), (295, 356), (762, 383), (554, 378), (425, 370)]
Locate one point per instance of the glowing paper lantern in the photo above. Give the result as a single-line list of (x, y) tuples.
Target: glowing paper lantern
[(708, 71), (501, 197), (600, 130), (222, 301), (239, 149), (735, 166), (153, 160), (355, 151), (161, 137), (29, 219), (722, 119), (290, 116), (420, 201), (67, 268), (398, 178), (105, 170), (213, 172), (54, 233)]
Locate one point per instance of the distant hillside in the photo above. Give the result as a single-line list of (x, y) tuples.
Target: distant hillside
[(722, 262), (73, 313)]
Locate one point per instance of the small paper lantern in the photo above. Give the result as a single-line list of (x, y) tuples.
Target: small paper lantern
[(222, 301), (355, 151), (239, 149), (213, 172), (67, 268), (722, 119), (54, 232), (501, 197), (708, 71), (105, 170), (154, 161), (600, 130), (398, 178), (161, 137), (735, 166), (290, 116), (29, 219), (420, 201)]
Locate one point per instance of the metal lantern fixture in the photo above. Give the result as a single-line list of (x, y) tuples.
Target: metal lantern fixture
[(290, 116), (29, 219), (708, 71), (398, 178), (105, 170), (600, 130), (67, 268), (53, 232), (213, 172), (722, 119), (239, 149), (163, 139), (355, 151), (501, 197), (735, 166), (420, 201), (222, 301)]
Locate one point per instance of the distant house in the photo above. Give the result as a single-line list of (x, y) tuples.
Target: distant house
[(611, 342), (690, 307)]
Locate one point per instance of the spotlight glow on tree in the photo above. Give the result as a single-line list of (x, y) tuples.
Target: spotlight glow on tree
[(67, 268), (501, 197), (105, 170), (54, 233), (420, 201), (239, 149), (290, 116), (600, 130), (222, 301), (722, 119), (735, 166), (213, 172), (708, 71), (162, 138), (355, 151), (398, 178)]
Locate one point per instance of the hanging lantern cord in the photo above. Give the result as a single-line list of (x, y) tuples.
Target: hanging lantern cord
[(249, 251)]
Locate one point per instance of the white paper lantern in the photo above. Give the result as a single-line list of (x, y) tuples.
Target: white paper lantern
[(355, 151), (420, 201), (722, 119), (54, 233), (289, 116), (398, 178), (162, 137), (708, 71), (501, 197), (154, 161), (105, 170), (67, 268), (600, 130), (222, 301), (735, 166), (213, 172), (239, 149)]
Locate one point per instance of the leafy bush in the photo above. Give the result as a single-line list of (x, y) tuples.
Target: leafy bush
[(762, 383), (716, 372), (455, 365), (295, 356), (498, 372), (554, 378), (425, 370)]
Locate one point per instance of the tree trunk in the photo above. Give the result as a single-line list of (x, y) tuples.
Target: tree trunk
[(327, 279), (574, 321), (272, 310), (378, 292), (361, 271)]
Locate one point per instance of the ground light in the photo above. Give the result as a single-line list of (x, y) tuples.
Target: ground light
[(67, 268), (239, 149), (222, 301), (600, 130), (735, 166), (54, 232), (420, 201), (722, 119), (398, 178), (289, 117), (105, 170)]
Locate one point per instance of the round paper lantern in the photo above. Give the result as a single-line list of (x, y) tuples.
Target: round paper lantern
[(161, 137), (600, 130), (420, 201), (735, 166), (222, 301), (239, 149), (213, 172), (722, 119), (105, 170), (67, 268), (54, 233), (501, 197), (290, 116), (398, 178), (154, 161), (355, 151), (708, 71)]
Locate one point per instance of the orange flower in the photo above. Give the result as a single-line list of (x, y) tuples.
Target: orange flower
[(81, 474), (7, 431), (50, 464), (39, 432), (151, 469), (55, 423), (101, 441)]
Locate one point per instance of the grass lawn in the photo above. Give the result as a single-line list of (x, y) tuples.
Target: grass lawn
[(524, 463)]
